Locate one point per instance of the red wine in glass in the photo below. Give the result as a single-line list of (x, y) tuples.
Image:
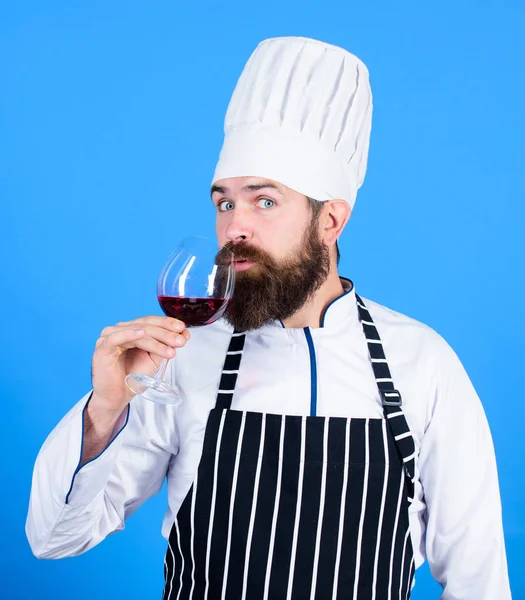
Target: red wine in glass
[(194, 312), (194, 286)]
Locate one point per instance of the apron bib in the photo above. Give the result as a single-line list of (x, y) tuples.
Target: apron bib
[(297, 507)]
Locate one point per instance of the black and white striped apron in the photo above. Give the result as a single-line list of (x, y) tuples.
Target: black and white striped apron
[(299, 507)]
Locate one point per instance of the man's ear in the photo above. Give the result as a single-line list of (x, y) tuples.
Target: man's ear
[(336, 214)]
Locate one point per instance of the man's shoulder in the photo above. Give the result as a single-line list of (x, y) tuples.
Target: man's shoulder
[(383, 315), (399, 330), (416, 350)]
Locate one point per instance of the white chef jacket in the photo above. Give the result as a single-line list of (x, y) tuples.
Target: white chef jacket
[(455, 519)]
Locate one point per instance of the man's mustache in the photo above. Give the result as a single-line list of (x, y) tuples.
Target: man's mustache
[(243, 250)]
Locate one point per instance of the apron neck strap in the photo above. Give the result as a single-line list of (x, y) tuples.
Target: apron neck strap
[(230, 370), (390, 397)]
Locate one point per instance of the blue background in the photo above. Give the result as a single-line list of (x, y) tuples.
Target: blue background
[(110, 125)]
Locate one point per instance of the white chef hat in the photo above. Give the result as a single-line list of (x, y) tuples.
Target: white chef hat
[(301, 115)]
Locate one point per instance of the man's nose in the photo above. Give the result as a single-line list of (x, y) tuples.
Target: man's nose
[(239, 227)]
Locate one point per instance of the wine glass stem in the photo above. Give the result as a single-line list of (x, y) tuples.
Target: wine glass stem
[(162, 369)]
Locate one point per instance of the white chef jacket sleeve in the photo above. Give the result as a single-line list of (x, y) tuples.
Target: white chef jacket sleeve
[(72, 508), (464, 533)]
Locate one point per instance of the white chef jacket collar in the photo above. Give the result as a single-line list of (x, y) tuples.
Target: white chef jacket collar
[(339, 312), (341, 309)]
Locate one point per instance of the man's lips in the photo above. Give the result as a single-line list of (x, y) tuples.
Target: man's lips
[(242, 265)]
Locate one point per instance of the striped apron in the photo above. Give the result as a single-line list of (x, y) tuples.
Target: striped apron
[(298, 507)]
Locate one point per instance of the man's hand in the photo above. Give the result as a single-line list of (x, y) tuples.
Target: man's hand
[(137, 346)]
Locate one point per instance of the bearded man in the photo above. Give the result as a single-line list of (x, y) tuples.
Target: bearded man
[(326, 445)]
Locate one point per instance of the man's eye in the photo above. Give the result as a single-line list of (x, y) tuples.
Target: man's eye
[(225, 205), (266, 203)]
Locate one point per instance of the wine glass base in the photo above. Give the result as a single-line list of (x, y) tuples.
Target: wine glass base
[(153, 389)]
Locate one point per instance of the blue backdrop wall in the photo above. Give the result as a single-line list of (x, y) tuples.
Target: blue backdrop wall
[(110, 125)]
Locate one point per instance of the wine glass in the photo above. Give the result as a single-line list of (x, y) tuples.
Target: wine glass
[(194, 286)]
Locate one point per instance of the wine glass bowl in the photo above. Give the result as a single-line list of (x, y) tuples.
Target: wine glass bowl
[(194, 312), (194, 286)]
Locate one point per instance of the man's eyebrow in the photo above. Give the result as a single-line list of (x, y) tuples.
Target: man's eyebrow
[(260, 186), (218, 189), (247, 188)]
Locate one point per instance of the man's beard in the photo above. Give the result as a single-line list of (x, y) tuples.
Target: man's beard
[(276, 289)]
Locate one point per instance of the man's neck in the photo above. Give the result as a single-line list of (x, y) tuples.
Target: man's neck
[(311, 313)]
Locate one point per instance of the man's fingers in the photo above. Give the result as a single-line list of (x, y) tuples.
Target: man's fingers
[(152, 346), (168, 337), (112, 338), (133, 338), (159, 335), (165, 322)]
